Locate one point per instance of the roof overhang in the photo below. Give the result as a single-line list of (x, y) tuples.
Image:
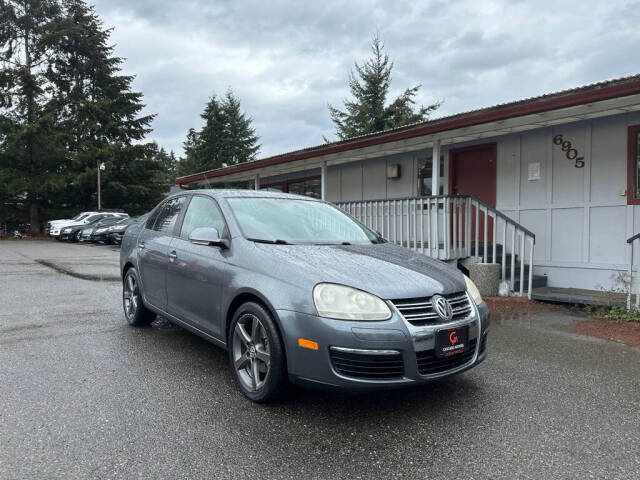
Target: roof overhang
[(496, 121)]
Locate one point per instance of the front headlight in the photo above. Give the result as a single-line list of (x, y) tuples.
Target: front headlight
[(346, 303), (473, 290)]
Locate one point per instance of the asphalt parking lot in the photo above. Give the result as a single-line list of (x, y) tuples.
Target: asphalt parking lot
[(83, 395)]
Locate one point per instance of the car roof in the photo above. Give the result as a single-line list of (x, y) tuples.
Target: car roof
[(235, 193)]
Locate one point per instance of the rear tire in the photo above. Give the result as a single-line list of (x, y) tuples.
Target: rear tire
[(256, 353), (135, 312)]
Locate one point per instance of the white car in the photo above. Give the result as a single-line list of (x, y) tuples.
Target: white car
[(81, 219), (67, 221)]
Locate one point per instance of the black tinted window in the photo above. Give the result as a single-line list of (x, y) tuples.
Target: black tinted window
[(152, 218), (202, 212), (169, 215)]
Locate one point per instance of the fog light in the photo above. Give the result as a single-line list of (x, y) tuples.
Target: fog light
[(310, 344)]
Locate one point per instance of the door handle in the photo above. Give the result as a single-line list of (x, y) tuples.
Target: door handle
[(172, 256), (141, 245)]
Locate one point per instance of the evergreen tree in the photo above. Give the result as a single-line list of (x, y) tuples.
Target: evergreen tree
[(64, 109), (168, 164), (190, 163), (368, 111), (100, 116), (210, 138), (226, 138), (240, 142), (31, 151)]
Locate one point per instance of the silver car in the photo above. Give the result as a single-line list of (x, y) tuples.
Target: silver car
[(297, 290)]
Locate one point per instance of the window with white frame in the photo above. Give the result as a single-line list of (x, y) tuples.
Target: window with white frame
[(425, 173)]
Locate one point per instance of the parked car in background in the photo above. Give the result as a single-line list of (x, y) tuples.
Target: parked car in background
[(55, 226), (295, 289), (98, 232), (116, 232), (74, 232)]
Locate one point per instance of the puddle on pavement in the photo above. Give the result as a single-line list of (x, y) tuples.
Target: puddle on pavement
[(83, 276), (554, 321)]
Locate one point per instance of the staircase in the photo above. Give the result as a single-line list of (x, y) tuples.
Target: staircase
[(455, 229), (538, 281)]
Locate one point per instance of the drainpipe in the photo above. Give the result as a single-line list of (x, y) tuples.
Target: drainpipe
[(256, 182)]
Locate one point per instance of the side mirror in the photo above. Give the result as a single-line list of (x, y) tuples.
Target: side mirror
[(208, 236)]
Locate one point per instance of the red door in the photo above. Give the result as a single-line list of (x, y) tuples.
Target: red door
[(473, 171)]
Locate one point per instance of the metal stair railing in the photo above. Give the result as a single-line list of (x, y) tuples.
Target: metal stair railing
[(450, 227), (630, 244)]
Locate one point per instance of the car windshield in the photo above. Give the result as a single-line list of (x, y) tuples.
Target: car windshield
[(287, 220), (80, 216), (94, 218)]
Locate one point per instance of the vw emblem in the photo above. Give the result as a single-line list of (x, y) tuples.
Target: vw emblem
[(442, 307)]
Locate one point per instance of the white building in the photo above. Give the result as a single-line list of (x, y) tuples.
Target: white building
[(562, 166)]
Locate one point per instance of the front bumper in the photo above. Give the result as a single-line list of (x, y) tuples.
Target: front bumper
[(413, 345)]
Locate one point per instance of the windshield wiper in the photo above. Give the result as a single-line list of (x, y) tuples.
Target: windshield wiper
[(273, 242)]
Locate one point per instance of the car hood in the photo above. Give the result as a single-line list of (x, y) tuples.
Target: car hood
[(386, 270)]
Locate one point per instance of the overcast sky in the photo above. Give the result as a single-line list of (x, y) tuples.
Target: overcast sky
[(287, 59)]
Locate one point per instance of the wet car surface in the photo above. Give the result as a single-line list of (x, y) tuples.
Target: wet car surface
[(297, 290), (86, 396)]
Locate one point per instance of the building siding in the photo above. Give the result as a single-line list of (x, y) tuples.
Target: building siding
[(579, 216)]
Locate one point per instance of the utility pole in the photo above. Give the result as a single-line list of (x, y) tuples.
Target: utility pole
[(99, 167)]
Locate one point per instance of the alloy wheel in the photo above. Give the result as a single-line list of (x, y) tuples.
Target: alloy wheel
[(130, 297), (251, 354)]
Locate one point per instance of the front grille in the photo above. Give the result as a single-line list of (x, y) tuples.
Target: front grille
[(367, 366), (429, 364), (419, 311)]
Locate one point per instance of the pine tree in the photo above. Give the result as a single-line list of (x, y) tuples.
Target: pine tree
[(240, 142), (31, 151), (168, 164), (101, 117), (65, 108), (368, 111), (226, 138), (190, 163), (210, 138)]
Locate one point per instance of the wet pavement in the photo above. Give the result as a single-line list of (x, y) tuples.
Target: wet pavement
[(85, 396)]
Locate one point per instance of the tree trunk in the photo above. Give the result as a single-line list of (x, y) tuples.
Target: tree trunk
[(34, 217)]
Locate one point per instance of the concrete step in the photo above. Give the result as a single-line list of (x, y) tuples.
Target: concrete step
[(539, 281), (578, 296)]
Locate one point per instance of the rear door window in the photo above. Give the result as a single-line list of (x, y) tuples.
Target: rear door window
[(168, 216), (152, 218)]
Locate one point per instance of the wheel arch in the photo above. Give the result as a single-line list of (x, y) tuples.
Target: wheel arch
[(252, 296), (126, 268)]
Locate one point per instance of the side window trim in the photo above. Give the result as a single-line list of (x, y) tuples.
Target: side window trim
[(178, 226)]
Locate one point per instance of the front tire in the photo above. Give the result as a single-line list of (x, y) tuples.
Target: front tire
[(256, 354), (135, 312)]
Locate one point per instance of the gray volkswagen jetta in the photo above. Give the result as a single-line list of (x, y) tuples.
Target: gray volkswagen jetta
[(295, 289)]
